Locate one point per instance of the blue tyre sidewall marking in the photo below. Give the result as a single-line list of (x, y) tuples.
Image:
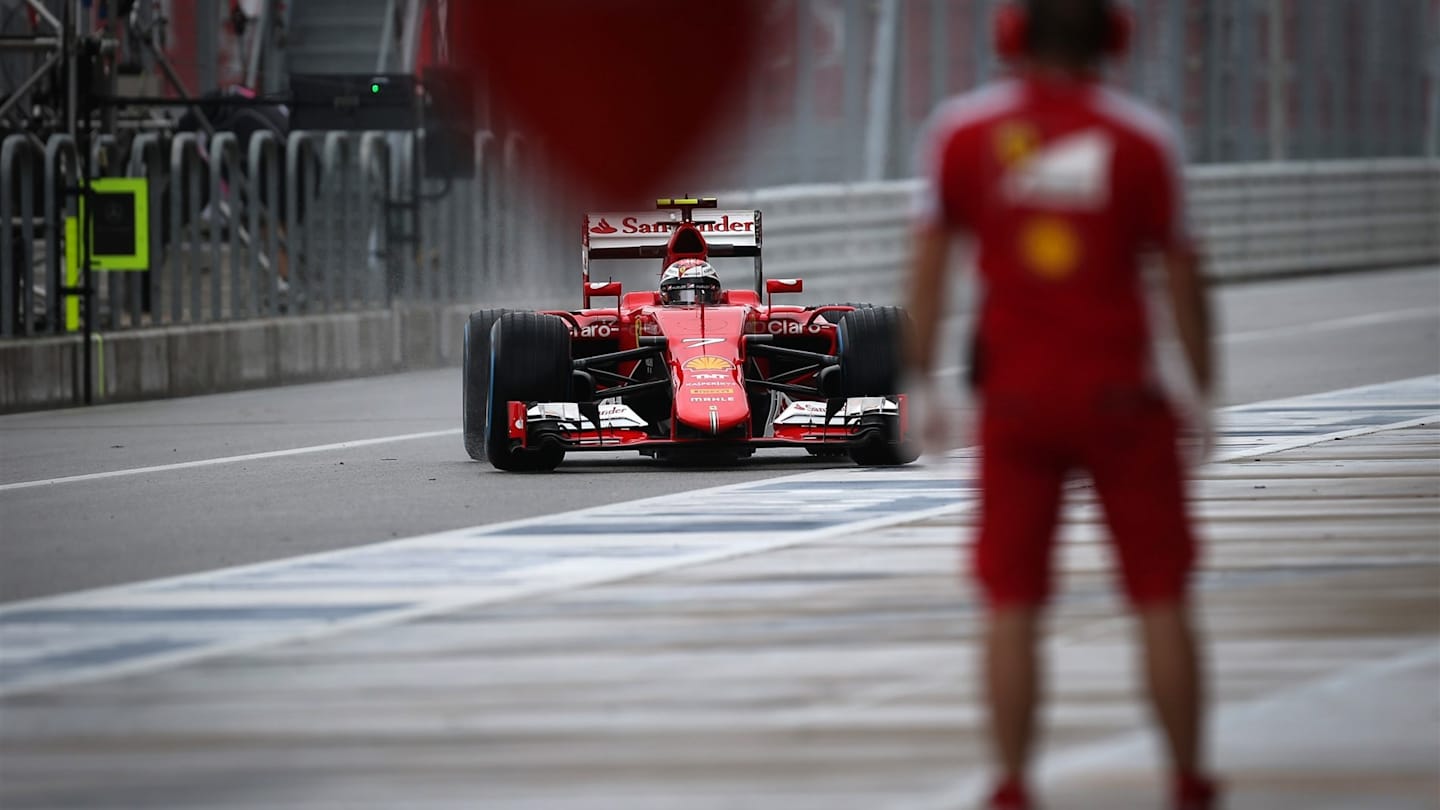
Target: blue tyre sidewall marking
[(490, 390), (465, 381)]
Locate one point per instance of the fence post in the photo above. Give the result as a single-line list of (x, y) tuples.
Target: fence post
[(298, 147), (224, 216), (882, 87), (263, 193), (60, 153), (334, 255), (375, 171), (104, 153), (20, 277), (184, 158), (147, 160)]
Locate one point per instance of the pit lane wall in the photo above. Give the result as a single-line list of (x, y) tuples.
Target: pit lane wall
[(848, 241)]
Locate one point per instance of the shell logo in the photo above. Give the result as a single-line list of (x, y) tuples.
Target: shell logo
[(706, 362), (1050, 247)]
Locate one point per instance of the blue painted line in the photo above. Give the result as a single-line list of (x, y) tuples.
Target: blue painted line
[(156, 622), (106, 655), (1338, 408), (305, 613), (872, 485), (411, 569), (711, 525)]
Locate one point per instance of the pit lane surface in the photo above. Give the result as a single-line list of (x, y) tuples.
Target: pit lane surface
[(360, 461), (829, 672)]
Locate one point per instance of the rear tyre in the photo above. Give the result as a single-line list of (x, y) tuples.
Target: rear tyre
[(529, 362), (871, 355), (475, 384)]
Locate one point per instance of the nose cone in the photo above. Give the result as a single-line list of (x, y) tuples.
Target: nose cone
[(710, 398)]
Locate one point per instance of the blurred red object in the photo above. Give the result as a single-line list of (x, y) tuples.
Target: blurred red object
[(620, 94)]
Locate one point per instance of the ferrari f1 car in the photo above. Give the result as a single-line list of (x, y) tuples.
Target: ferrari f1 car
[(687, 371)]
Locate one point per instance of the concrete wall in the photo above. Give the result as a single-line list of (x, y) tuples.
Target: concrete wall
[(205, 358)]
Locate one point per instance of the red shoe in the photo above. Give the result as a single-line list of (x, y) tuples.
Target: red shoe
[(1010, 796), (1196, 793)]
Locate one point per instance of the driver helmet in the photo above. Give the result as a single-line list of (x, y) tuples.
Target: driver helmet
[(690, 281)]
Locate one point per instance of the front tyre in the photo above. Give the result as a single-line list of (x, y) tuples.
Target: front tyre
[(529, 362), (475, 385), (871, 345)]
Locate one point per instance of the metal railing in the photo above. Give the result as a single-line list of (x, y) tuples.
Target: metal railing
[(308, 226), (850, 241), (270, 227)]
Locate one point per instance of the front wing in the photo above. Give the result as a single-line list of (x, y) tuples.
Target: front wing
[(614, 426)]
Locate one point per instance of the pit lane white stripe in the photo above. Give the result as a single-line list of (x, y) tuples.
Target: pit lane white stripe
[(1391, 316), (1350, 322), (210, 462)]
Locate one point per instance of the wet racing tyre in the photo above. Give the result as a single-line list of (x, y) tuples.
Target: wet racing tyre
[(475, 382), (529, 362), (871, 348)]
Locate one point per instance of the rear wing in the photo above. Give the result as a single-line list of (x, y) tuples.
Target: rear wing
[(646, 235)]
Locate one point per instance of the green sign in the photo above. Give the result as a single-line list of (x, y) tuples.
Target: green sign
[(119, 223), (119, 234)]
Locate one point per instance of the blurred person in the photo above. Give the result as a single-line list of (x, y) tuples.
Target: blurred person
[(1064, 184)]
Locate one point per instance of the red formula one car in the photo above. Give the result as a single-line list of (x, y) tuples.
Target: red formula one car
[(688, 371)]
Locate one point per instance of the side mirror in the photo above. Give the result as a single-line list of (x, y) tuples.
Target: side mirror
[(602, 289), (784, 285), (781, 285)]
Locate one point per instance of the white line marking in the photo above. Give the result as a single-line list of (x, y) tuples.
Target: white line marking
[(1389, 316), (1237, 337), (210, 462), (1306, 441)]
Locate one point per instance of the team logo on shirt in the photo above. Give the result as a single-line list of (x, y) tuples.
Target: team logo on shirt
[(1015, 142), (1050, 247)]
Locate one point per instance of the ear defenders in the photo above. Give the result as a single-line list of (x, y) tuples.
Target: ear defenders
[(1012, 31)]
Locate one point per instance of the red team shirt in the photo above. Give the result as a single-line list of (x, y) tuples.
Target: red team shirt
[(1063, 185)]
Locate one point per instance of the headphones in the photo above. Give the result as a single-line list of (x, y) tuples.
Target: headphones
[(1012, 31)]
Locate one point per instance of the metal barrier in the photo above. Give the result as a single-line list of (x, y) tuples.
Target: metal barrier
[(220, 251), (181, 272), (147, 160), (850, 241), (237, 230), (1257, 219)]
